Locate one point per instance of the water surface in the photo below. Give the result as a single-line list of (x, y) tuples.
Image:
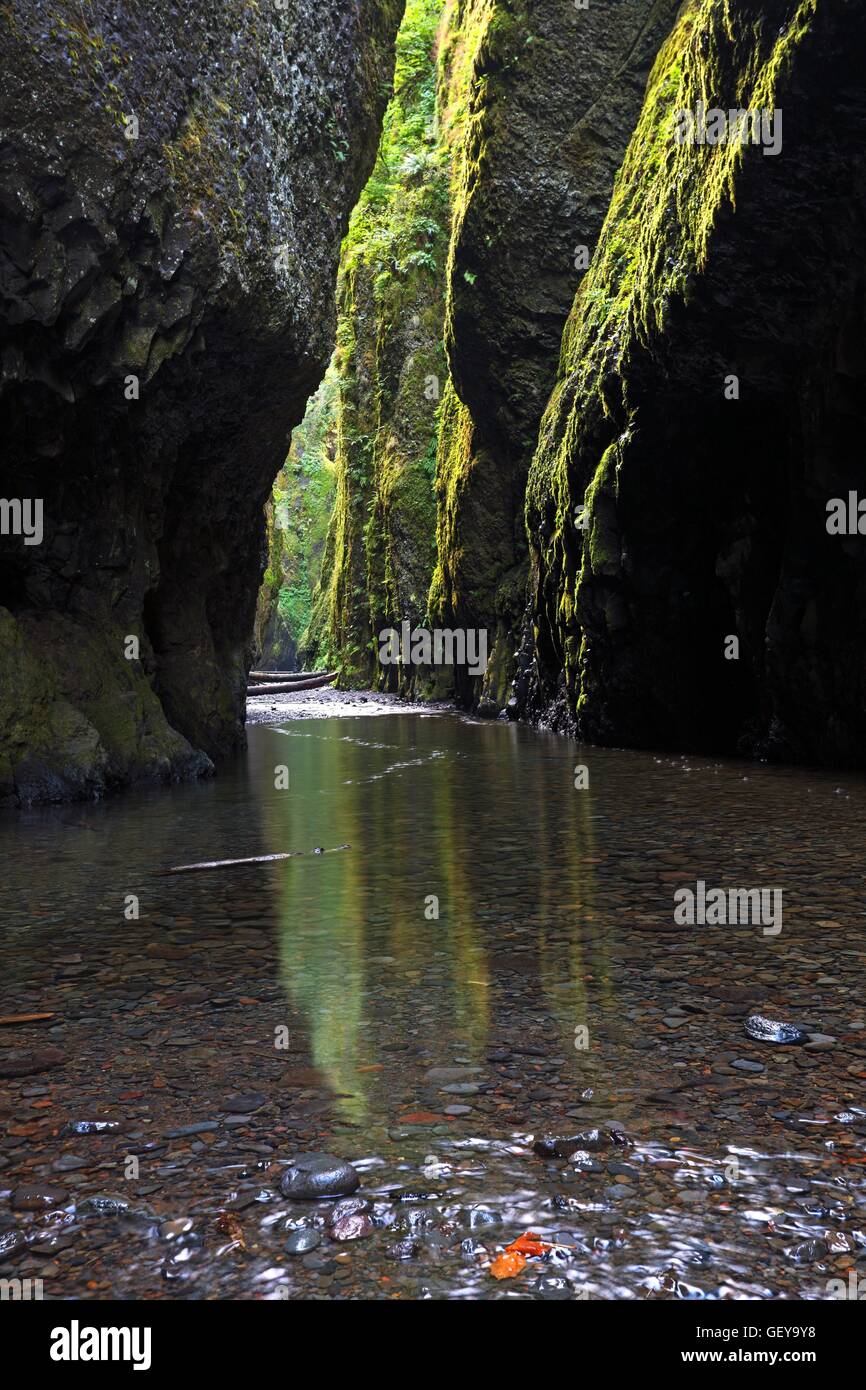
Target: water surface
[(488, 921)]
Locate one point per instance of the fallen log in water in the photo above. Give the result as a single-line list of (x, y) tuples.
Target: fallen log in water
[(288, 687), (286, 675), (255, 859)]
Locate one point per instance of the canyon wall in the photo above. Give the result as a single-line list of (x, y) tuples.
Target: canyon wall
[(174, 188), (497, 161), (654, 376), (552, 96), (297, 528), (390, 368), (592, 391), (710, 403)]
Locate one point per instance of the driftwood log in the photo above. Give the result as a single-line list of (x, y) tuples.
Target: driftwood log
[(289, 687), (244, 863), (286, 675)]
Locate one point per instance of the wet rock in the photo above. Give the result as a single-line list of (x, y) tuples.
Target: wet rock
[(350, 1206), (583, 1162), (479, 1218), (21, 1063), (552, 1286), (590, 1141), (87, 1127), (302, 1242), (810, 1251), (820, 1042), (622, 1170), (446, 1076), (38, 1198), (245, 1104), (186, 1131), (105, 1204), (472, 1246), (69, 1163), (405, 1249), (743, 1064), (247, 1198), (155, 265), (317, 1175), (10, 1241), (355, 1227), (770, 1030)]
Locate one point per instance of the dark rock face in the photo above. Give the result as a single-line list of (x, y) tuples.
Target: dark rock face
[(707, 513), (554, 95), (167, 308)]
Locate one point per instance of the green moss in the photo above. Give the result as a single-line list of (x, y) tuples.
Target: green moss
[(297, 517), (75, 716), (452, 471), (654, 245), (390, 370)]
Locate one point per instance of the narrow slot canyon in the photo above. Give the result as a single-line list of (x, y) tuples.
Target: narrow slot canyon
[(432, 651)]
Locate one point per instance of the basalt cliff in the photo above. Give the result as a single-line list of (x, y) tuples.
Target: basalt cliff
[(653, 305), (175, 184)]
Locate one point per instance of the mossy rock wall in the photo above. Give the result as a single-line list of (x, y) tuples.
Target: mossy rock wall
[(199, 258), (391, 373), (297, 516), (706, 515), (551, 95)]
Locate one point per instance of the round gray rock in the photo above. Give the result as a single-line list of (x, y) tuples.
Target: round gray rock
[(318, 1175), (302, 1242)]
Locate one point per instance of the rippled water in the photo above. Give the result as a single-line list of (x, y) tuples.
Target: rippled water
[(554, 986)]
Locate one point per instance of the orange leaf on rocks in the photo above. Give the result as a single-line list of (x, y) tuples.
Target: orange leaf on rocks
[(506, 1265), (529, 1244)]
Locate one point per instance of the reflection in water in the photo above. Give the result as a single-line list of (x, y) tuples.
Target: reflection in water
[(444, 818)]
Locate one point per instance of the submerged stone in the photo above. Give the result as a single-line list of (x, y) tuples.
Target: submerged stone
[(591, 1141), (353, 1227), (302, 1242), (769, 1030), (318, 1175), (38, 1198)]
